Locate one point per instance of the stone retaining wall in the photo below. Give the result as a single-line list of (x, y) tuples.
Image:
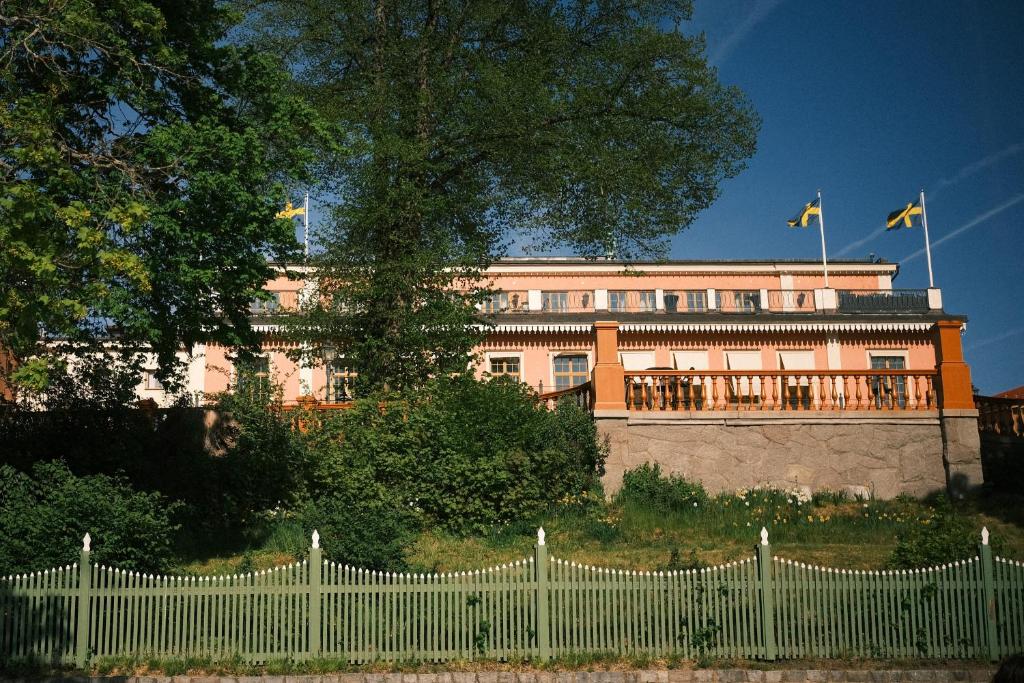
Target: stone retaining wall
[(973, 675), (861, 453)]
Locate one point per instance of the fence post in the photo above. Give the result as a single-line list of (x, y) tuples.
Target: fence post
[(540, 561), (765, 578), (315, 569), (84, 582), (989, 592)]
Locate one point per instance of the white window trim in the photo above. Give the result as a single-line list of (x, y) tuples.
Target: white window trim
[(505, 354), (566, 352)]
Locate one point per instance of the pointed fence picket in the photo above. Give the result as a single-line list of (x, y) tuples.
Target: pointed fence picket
[(761, 607)]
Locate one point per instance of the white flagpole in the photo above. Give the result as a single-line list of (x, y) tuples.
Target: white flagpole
[(305, 224), (927, 245), (821, 224)]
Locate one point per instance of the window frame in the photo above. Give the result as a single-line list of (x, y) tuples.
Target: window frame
[(588, 355)]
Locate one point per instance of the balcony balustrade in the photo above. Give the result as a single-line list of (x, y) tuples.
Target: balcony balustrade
[(1001, 416), (883, 301), (779, 390)]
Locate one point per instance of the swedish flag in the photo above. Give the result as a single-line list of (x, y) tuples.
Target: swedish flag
[(906, 217), (806, 215), (290, 212)]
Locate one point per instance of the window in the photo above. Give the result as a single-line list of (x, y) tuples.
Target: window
[(696, 301), (557, 302), (617, 301), (257, 306), (744, 389), (889, 390), (151, 382), (254, 378), (570, 371), (340, 380), (504, 366), (796, 389), (496, 302), (648, 302), (739, 301)]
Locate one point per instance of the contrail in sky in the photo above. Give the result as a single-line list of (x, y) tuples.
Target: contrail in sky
[(978, 166), (977, 220), (964, 173), (992, 340), (760, 11)]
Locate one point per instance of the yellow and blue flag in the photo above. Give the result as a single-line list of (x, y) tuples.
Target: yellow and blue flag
[(806, 215), (909, 216), (290, 212)]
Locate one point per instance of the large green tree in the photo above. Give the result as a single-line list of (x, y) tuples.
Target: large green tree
[(567, 123), (142, 159)]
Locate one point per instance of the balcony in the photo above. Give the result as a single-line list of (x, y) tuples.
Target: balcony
[(883, 301), (780, 390), (715, 301)]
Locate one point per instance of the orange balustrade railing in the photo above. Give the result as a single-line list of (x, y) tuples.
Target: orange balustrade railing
[(781, 390), (1002, 416)]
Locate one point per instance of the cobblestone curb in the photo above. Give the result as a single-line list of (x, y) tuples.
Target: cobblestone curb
[(976, 675)]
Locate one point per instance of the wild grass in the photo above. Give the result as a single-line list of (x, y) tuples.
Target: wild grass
[(829, 529)]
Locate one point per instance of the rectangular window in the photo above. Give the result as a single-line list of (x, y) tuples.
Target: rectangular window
[(496, 303), (504, 366), (796, 389), (617, 302), (744, 389), (739, 301), (258, 306), (648, 302), (340, 381), (889, 390), (152, 383), (254, 378), (555, 302), (696, 301), (570, 371)]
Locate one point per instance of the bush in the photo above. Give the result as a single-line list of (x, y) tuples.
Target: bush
[(43, 517), (361, 524), (936, 538), (464, 453), (645, 486)]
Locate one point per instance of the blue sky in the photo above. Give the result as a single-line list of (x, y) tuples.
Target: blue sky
[(870, 102)]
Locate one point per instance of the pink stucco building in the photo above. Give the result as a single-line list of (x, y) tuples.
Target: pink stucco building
[(738, 373)]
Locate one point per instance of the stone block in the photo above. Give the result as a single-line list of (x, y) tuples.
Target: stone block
[(773, 676), (680, 676)]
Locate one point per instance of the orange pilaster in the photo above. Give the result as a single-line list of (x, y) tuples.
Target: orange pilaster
[(609, 379), (954, 373)]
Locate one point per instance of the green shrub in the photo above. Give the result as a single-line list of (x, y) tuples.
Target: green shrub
[(361, 524), (45, 514), (937, 537), (645, 486), (464, 453)]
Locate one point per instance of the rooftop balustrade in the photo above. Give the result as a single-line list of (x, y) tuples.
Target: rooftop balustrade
[(883, 301), (727, 301)]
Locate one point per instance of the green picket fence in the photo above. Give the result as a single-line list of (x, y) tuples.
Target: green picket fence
[(762, 607)]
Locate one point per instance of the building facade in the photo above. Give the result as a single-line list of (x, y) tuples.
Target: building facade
[(737, 373)]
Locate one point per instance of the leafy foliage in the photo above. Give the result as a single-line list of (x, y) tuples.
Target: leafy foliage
[(362, 523), (939, 537), (45, 514), (466, 454), (141, 164), (646, 486), (573, 124)]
